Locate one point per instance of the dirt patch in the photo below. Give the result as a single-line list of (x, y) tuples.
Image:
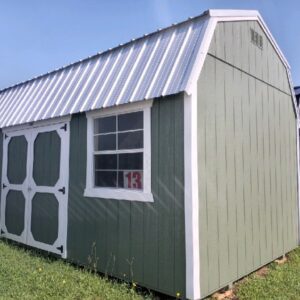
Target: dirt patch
[(263, 272)]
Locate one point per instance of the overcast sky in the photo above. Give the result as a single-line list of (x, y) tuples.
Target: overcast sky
[(39, 36)]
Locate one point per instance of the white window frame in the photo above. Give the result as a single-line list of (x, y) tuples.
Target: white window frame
[(143, 195)]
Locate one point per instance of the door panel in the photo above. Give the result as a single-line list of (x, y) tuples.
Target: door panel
[(46, 162), (17, 159), (15, 212), (14, 193), (44, 218), (35, 187)]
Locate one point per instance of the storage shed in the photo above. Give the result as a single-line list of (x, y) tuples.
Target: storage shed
[(170, 161)]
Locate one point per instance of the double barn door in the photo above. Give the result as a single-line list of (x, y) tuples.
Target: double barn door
[(34, 190)]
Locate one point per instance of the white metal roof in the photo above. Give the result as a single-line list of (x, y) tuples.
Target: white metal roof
[(159, 64)]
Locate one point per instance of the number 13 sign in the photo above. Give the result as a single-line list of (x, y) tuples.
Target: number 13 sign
[(133, 180)]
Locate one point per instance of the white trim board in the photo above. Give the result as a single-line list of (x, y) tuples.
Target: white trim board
[(42, 123), (191, 197)]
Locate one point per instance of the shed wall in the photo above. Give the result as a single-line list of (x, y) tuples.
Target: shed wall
[(247, 158), (143, 242), (232, 44), (1, 158)]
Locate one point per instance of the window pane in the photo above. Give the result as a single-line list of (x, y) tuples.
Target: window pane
[(130, 121), (130, 140), (104, 125), (105, 142), (121, 179), (106, 162), (106, 179), (131, 161)]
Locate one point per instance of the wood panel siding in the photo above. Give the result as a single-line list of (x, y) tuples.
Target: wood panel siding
[(1, 162), (232, 43), (143, 242), (247, 158)]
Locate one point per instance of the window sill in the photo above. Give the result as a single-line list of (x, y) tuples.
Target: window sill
[(118, 194)]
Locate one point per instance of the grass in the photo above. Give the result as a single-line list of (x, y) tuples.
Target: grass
[(279, 282), (26, 275)]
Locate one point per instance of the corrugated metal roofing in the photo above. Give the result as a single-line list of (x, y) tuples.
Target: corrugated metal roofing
[(155, 65)]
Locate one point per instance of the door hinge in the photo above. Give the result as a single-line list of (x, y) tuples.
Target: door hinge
[(4, 186), (61, 248), (5, 136), (62, 190), (64, 127)]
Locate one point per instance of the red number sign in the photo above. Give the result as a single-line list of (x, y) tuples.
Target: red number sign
[(133, 180)]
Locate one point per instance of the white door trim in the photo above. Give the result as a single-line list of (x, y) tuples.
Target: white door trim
[(37, 124)]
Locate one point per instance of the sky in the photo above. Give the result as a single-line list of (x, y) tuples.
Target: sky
[(38, 36)]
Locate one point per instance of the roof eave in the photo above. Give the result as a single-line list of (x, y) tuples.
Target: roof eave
[(233, 13)]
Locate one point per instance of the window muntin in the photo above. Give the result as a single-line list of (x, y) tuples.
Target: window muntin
[(118, 151)]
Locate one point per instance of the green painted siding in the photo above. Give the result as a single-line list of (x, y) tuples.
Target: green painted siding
[(1, 157), (247, 159), (144, 242), (232, 43)]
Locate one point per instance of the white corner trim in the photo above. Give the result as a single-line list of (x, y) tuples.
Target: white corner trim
[(114, 193), (206, 36), (191, 198)]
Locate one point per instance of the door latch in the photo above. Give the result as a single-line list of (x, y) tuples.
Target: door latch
[(29, 189)]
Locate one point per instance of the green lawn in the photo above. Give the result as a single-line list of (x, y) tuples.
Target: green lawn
[(26, 275), (280, 282)]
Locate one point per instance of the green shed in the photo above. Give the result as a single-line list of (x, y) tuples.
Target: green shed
[(170, 161)]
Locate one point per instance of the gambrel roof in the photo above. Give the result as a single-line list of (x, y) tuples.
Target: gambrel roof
[(162, 63)]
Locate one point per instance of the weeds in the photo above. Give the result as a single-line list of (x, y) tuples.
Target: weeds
[(26, 275)]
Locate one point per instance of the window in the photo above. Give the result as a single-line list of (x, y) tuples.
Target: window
[(118, 151), (118, 158)]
